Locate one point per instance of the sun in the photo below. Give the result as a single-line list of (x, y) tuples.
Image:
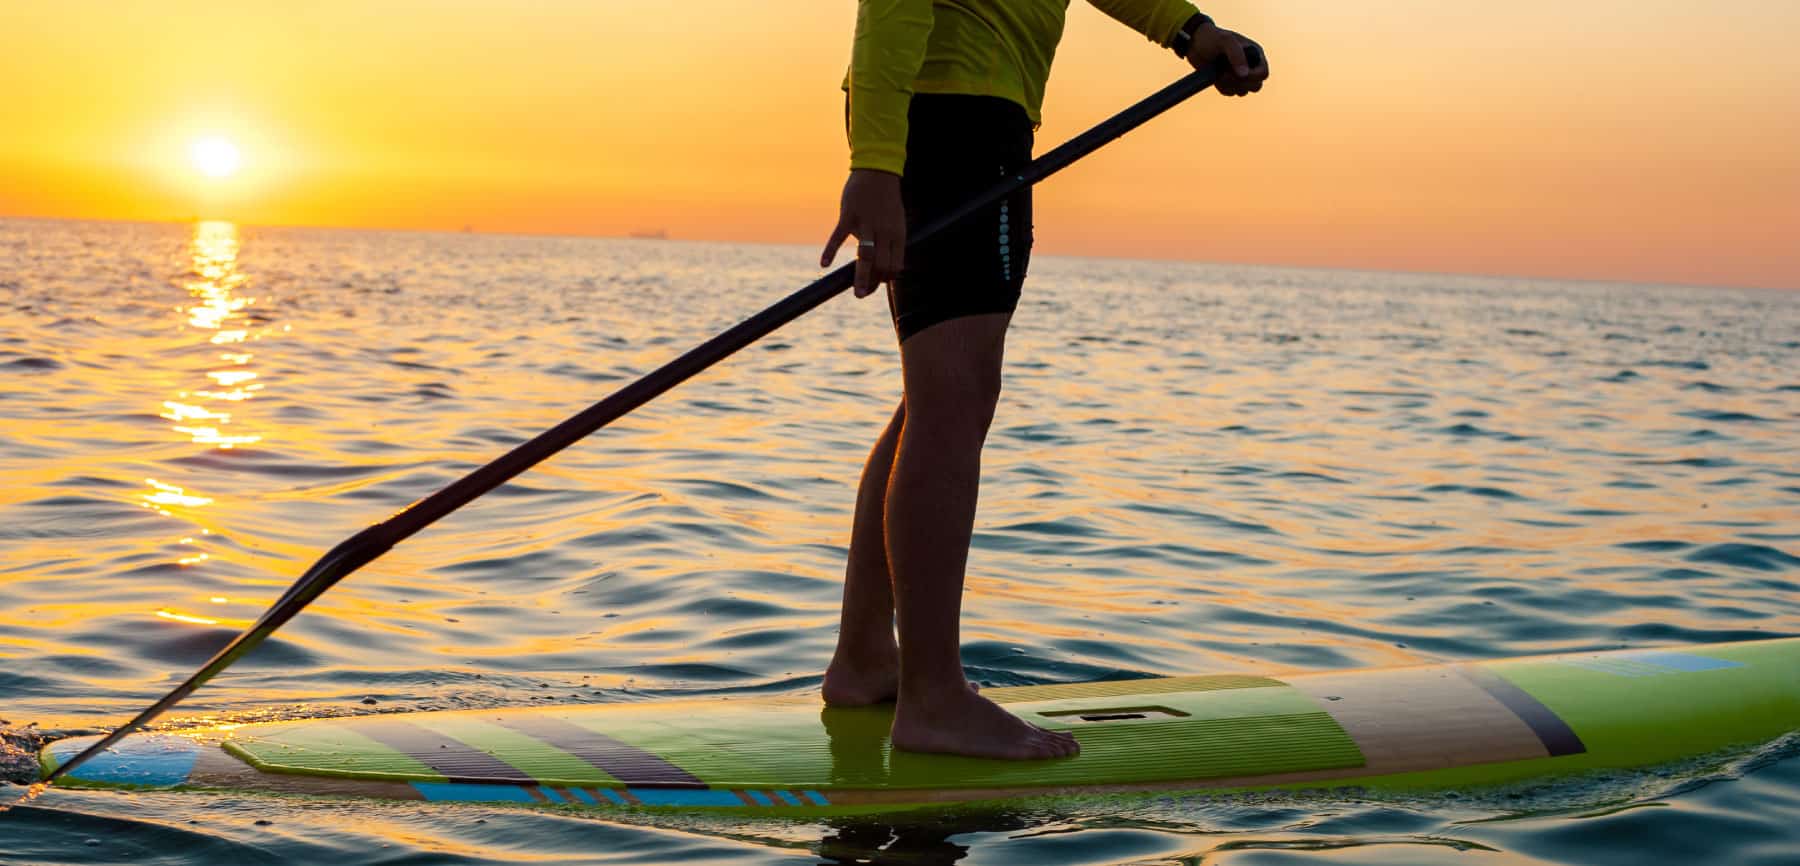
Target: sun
[(215, 156)]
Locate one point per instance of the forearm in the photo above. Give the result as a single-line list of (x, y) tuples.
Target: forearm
[(1157, 20), (884, 61)]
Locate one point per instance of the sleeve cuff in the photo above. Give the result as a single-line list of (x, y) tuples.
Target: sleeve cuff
[(1188, 11), (889, 161)]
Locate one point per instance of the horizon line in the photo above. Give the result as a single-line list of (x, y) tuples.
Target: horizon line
[(471, 230)]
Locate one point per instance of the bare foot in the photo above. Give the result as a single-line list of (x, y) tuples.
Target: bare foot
[(962, 722), (859, 682)]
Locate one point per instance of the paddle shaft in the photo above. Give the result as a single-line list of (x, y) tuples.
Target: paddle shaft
[(365, 546)]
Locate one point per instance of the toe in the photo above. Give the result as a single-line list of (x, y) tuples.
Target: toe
[(1052, 744)]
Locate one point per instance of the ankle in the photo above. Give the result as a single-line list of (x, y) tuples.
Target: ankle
[(934, 691), (867, 654)]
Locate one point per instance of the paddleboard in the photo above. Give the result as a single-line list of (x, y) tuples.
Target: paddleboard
[(1400, 729)]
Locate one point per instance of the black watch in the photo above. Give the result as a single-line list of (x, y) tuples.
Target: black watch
[(1185, 38)]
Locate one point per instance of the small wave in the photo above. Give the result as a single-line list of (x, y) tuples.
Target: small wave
[(1203, 518), (726, 490), (1708, 387), (687, 672), (1470, 431), (1655, 546), (1037, 434), (1068, 527), (267, 462), (573, 372), (1757, 556), (189, 647), (1310, 476), (1696, 462), (1725, 417), (1679, 365), (1484, 492)]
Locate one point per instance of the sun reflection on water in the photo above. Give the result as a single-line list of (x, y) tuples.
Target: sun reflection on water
[(219, 307), (171, 495)]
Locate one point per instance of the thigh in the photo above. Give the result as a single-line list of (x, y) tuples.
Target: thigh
[(952, 370), (957, 147)]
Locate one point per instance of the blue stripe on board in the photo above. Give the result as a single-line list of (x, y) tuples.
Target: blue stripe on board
[(1650, 663), (473, 792), (817, 797), (550, 794), (1687, 662), (1558, 738), (613, 797), (1617, 667), (152, 760), (787, 799), (584, 796), (685, 797)]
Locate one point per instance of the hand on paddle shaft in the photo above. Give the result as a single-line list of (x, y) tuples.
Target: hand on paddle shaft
[(871, 208), (1244, 75), (872, 211)]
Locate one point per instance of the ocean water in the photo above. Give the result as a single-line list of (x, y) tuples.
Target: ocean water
[(1233, 468)]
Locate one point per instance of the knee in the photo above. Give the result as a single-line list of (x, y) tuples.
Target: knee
[(959, 407)]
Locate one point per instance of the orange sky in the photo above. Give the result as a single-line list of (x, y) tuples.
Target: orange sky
[(1646, 140)]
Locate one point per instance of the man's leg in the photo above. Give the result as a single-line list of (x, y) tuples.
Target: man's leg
[(866, 667), (952, 379)]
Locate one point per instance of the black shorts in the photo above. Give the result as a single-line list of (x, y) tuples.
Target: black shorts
[(956, 147)]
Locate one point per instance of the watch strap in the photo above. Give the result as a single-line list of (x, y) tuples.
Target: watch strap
[(1184, 38)]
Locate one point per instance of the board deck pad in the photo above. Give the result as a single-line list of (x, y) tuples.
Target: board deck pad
[(1415, 728), (1205, 728)]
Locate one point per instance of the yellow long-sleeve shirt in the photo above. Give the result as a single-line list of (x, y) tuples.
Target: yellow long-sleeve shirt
[(983, 47)]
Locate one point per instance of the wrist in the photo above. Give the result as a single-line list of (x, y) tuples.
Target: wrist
[(867, 174), (1183, 41)]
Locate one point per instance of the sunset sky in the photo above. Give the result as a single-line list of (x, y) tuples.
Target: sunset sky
[(1645, 140)]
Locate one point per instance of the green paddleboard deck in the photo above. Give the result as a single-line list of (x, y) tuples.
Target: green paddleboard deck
[(1414, 728)]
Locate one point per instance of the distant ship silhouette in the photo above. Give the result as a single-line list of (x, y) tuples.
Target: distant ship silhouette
[(651, 234)]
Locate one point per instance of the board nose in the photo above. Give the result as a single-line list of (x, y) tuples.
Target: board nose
[(142, 761)]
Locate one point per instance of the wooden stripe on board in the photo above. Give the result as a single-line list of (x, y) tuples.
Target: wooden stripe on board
[(452, 758), (622, 761)]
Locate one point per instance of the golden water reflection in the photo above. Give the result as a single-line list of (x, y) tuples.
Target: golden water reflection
[(163, 495), (218, 306), (221, 307)]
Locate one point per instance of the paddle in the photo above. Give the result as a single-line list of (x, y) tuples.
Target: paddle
[(362, 548)]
